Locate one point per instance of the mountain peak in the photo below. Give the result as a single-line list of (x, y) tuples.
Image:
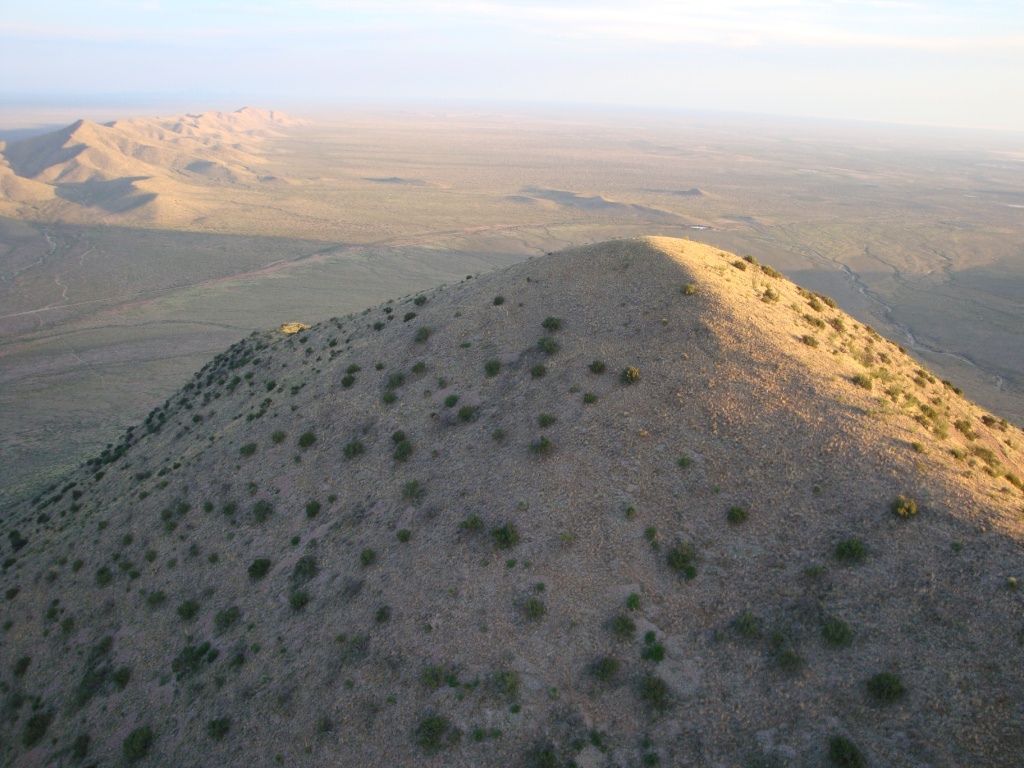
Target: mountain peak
[(638, 498)]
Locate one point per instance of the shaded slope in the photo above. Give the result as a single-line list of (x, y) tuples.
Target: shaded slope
[(452, 531)]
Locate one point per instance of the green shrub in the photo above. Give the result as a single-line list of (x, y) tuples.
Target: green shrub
[(748, 626), (367, 557), (736, 515), (547, 345), (552, 324), (383, 614), (395, 380), (534, 608), (154, 599), (654, 692), (688, 289), (623, 627), (188, 610), (307, 439), (413, 492), (259, 568), (605, 668), (653, 652), (542, 446), (598, 367), (469, 413), (473, 524), (80, 746), (305, 570), (836, 632), (353, 449), (348, 380), (298, 599), (498, 435), (681, 560), (403, 451), (137, 744), (492, 368), (538, 371), (312, 509), (450, 401), (633, 602), (435, 732), (104, 576), (507, 682), (353, 369), (262, 510), (850, 551), (505, 537), (904, 507), (843, 753), (499, 300), (21, 666), (422, 334), (630, 375), (864, 381), (886, 687), (740, 265), (811, 341), (404, 535), (589, 398), (35, 728), (218, 728), (248, 449), (227, 618), (408, 316), (388, 397), (546, 420)]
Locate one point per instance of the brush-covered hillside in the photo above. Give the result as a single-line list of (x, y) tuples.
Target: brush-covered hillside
[(638, 503)]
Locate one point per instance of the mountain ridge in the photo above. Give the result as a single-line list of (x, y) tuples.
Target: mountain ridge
[(469, 528)]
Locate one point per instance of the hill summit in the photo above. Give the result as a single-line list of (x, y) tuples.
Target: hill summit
[(637, 503)]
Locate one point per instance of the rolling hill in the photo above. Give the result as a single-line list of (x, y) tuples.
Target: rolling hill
[(139, 171), (636, 503)]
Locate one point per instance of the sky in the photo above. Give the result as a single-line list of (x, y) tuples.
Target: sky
[(923, 62)]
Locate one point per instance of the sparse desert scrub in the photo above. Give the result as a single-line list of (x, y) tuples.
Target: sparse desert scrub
[(630, 375)]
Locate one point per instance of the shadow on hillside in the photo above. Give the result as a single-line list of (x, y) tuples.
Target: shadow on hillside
[(115, 196)]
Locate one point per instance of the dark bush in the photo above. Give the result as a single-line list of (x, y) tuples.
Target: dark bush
[(552, 324), (681, 559), (654, 692), (843, 753), (505, 537), (188, 610), (836, 632), (547, 345), (623, 627), (850, 551), (492, 367), (248, 449), (262, 510), (598, 366), (736, 515), (307, 439), (605, 668), (885, 687), (259, 568), (218, 728), (137, 744), (353, 449)]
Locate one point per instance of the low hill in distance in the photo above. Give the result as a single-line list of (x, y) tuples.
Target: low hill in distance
[(636, 503), (88, 171)]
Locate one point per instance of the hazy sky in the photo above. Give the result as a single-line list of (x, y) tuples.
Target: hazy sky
[(942, 62)]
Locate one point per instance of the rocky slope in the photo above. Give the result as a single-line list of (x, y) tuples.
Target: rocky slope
[(637, 503)]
